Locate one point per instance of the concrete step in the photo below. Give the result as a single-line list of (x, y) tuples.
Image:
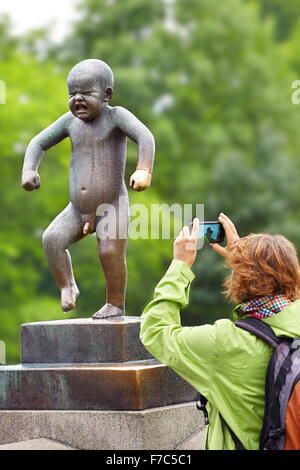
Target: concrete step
[(162, 428), (129, 386), (36, 444), (82, 340)]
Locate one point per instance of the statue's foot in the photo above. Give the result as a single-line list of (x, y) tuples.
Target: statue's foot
[(69, 295), (108, 310)]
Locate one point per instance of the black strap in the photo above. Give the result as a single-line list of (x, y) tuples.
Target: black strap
[(260, 329), (268, 400), (201, 403), (238, 444)]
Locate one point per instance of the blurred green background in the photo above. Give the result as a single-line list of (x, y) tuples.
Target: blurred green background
[(212, 80)]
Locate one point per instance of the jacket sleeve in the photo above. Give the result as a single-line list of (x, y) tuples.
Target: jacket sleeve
[(189, 351)]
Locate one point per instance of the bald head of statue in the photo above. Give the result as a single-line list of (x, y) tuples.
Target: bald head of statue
[(90, 85)]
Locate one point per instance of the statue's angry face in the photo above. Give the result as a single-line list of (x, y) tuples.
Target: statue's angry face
[(86, 99), (90, 86)]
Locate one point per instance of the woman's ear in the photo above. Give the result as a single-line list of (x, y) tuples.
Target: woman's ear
[(108, 93)]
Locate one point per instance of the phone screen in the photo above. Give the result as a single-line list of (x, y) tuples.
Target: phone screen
[(211, 232)]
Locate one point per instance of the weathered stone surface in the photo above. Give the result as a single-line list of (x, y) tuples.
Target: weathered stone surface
[(164, 428), (135, 386), (36, 444), (193, 442), (82, 340)]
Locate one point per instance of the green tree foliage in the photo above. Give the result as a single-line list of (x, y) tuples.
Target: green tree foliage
[(291, 49), (284, 13), (214, 88), (213, 85)]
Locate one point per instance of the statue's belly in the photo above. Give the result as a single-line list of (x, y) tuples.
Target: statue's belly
[(95, 181)]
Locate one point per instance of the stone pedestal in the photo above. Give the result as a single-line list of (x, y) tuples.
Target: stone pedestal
[(164, 428), (93, 367), (83, 340)]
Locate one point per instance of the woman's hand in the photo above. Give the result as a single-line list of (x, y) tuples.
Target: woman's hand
[(231, 235), (186, 243)]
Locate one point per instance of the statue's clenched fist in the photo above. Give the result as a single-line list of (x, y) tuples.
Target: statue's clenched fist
[(30, 180), (140, 180)]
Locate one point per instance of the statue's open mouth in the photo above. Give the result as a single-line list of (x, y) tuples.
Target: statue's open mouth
[(81, 107)]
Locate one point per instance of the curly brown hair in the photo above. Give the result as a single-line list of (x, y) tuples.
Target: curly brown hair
[(262, 265)]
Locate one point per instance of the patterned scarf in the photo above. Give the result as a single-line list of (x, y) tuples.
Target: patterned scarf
[(264, 307)]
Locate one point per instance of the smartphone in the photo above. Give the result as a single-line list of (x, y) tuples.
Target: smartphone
[(210, 232)]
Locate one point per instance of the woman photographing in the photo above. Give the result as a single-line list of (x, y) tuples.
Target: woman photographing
[(223, 362)]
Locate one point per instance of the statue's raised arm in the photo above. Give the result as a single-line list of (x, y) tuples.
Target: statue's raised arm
[(35, 152), (140, 134)]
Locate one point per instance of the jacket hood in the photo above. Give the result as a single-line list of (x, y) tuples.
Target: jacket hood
[(284, 323)]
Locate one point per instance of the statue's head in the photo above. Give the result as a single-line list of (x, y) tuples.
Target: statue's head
[(90, 85)]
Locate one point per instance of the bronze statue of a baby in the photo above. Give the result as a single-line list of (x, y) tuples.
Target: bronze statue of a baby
[(98, 134)]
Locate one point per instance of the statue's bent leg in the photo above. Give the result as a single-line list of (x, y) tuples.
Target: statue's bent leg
[(64, 230), (112, 254)]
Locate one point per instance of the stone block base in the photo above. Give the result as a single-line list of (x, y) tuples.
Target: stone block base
[(82, 340), (163, 428), (36, 444), (127, 386)]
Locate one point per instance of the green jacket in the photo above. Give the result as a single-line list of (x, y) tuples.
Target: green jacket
[(225, 363)]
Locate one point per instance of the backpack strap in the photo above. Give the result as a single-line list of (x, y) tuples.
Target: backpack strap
[(201, 403), (238, 444), (259, 329)]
